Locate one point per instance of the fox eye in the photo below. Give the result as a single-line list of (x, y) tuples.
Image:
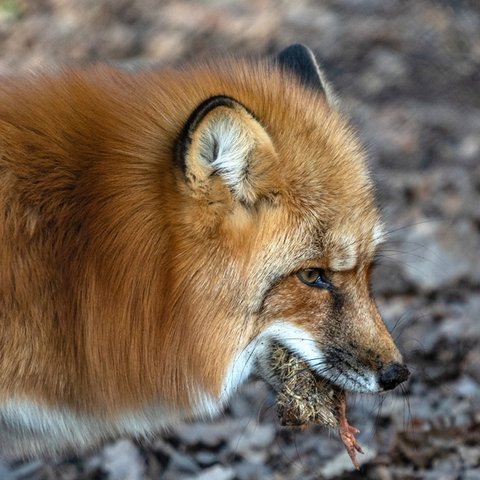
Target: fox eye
[(314, 277)]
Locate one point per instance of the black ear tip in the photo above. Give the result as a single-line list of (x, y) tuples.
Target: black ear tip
[(300, 60), (296, 50), (297, 56)]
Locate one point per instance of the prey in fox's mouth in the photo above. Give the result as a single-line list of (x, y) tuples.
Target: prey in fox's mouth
[(305, 397)]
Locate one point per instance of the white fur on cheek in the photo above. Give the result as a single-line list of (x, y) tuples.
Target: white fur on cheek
[(303, 344), (243, 364)]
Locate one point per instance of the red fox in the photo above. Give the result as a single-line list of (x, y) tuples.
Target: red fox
[(160, 229)]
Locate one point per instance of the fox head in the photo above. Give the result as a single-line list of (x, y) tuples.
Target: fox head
[(276, 194)]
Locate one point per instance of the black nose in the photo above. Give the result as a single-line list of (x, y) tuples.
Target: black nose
[(392, 375)]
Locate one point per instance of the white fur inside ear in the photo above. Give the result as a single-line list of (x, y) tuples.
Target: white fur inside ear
[(224, 146)]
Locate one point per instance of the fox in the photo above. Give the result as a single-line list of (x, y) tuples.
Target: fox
[(161, 229)]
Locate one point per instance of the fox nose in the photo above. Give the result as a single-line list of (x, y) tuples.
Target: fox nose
[(392, 375)]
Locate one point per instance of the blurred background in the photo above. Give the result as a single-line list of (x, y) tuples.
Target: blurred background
[(408, 73)]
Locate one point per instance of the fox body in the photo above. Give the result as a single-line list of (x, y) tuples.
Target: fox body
[(160, 229)]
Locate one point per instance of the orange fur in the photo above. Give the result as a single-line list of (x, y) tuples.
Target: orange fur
[(121, 285)]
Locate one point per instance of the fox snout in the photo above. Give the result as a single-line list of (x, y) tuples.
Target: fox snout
[(392, 375)]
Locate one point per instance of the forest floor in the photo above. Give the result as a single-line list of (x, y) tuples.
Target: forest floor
[(408, 73)]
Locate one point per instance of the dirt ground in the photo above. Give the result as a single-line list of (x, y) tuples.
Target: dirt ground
[(408, 73)]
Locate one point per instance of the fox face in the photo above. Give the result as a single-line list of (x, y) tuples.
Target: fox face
[(162, 229), (303, 227)]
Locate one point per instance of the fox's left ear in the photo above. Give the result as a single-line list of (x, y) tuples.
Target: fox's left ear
[(300, 60), (222, 139)]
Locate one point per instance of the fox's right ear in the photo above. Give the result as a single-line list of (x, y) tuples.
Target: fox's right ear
[(222, 139), (300, 60)]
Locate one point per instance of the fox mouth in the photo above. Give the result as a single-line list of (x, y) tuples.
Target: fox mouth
[(329, 367), (339, 368), (312, 383)]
